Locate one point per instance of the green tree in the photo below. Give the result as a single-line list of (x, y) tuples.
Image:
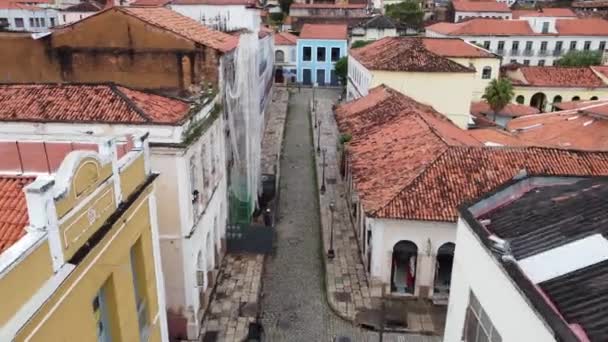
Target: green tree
[(407, 12), (361, 43), (342, 69), (284, 4), (498, 94), (576, 58)]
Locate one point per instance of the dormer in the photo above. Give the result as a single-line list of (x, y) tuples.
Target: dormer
[(542, 25)]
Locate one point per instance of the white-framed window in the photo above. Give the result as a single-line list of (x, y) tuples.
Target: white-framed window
[(335, 54), (321, 54), (307, 53), (478, 326), (486, 73)]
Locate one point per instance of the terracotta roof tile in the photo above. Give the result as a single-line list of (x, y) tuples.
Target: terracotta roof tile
[(409, 162), (87, 103), (285, 38), (13, 210), (183, 26), (551, 76), (455, 47), (152, 3), (498, 27), (329, 6), (545, 12), (247, 3), (324, 31), (480, 6), (404, 54), (590, 4), (511, 110), (18, 5)]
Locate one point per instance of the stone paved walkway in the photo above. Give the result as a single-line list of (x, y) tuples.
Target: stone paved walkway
[(235, 301), (294, 299)]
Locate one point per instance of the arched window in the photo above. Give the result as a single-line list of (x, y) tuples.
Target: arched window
[(279, 56), (556, 99), (576, 98), (520, 99), (486, 73), (403, 268), (538, 100), (443, 268), (593, 98)]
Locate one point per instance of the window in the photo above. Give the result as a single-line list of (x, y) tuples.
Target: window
[(573, 45), (52, 22), (526, 62), (528, 46), (321, 54), (587, 45), (602, 46), (501, 45), (307, 54), (486, 73), (42, 22), (520, 99), (19, 22), (545, 27), (64, 18), (139, 285), (576, 98), (100, 311), (477, 326), (31, 22), (543, 46), (279, 56), (541, 62), (459, 18), (335, 54), (515, 46), (558, 48), (473, 42), (513, 61), (3, 22), (486, 44), (557, 99)]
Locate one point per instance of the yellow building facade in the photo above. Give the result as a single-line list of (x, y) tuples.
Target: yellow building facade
[(87, 266)]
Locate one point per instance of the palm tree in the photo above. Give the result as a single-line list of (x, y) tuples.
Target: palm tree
[(498, 94)]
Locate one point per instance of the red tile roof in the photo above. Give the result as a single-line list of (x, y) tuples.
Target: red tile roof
[(88, 103), (409, 162), (455, 47), (512, 109), (545, 12), (494, 136), (599, 107), (480, 6), (601, 69), (590, 4), (329, 6), (247, 3), (183, 26), (551, 76), (18, 5), (285, 38), (404, 54), (13, 210), (324, 31), (498, 27), (144, 3)]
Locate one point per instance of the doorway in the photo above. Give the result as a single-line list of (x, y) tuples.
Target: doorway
[(321, 77), (443, 269), (307, 76), (403, 268)]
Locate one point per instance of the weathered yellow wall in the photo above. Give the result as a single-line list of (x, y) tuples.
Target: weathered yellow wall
[(449, 93), (22, 282), (480, 84), (68, 314), (131, 176), (566, 93)]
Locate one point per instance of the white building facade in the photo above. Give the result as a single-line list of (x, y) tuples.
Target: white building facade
[(27, 18), (528, 41)]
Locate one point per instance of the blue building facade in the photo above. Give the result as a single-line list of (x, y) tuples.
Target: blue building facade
[(316, 59)]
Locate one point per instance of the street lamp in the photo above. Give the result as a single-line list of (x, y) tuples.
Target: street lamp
[(323, 174), (330, 253), (319, 136)]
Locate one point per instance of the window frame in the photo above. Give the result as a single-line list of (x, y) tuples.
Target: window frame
[(304, 47), (19, 20), (324, 54), (331, 54), (486, 73)]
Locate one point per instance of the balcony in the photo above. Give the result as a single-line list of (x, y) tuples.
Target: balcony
[(528, 52), (514, 52), (558, 52)]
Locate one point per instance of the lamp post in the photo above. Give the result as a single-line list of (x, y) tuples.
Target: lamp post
[(319, 136), (330, 253), (323, 173)]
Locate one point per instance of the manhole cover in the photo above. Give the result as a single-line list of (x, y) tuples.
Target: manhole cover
[(342, 296), (210, 336), (330, 181)]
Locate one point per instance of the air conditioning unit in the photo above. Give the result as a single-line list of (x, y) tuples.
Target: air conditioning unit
[(200, 278)]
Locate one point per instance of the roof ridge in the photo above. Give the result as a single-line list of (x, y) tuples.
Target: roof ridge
[(130, 102)]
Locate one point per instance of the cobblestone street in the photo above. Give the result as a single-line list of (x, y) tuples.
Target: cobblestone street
[(294, 304)]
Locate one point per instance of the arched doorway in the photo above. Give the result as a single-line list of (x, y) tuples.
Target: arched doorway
[(557, 99), (539, 100), (443, 269), (278, 75), (403, 268), (520, 99)]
